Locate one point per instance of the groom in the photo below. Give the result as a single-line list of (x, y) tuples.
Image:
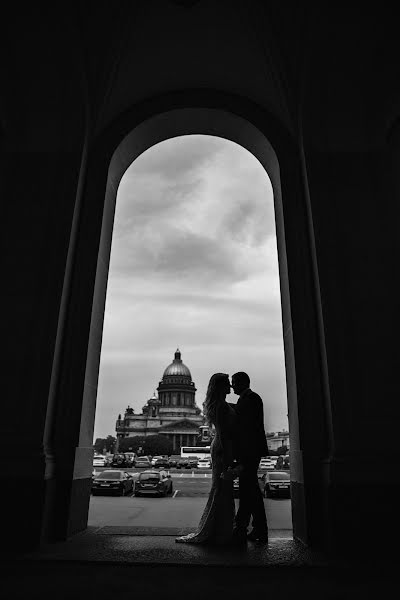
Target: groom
[(250, 445)]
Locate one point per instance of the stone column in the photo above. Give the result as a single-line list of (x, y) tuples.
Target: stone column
[(37, 221), (357, 247)]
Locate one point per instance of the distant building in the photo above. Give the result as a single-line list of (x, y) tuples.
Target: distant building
[(172, 413), (277, 439)]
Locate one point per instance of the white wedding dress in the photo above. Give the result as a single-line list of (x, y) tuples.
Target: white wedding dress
[(217, 520)]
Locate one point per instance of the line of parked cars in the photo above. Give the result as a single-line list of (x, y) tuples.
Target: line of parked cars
[(115, 481), (125, 460), (128, 459), (118, 460)]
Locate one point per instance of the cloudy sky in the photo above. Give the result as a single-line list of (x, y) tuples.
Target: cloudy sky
[(193, 264)]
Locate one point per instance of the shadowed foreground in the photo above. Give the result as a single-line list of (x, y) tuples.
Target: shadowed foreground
[(102, 565)]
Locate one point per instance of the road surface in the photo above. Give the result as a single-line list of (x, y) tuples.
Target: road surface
[(183, 509)]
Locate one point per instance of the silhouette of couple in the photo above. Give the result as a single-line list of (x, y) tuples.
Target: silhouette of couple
[(238, 444)]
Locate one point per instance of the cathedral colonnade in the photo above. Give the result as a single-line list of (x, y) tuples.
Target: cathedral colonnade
[(181, 439)]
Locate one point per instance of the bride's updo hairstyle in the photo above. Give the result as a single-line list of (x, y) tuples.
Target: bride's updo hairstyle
[(216, 394)]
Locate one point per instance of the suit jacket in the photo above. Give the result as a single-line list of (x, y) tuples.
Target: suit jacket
[(250, 440)]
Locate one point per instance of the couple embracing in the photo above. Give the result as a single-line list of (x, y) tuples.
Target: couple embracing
[(239, 443)]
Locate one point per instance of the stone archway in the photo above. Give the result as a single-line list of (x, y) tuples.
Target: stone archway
[(210, 114)]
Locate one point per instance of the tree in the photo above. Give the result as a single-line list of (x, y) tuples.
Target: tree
[(106, 444), (152, 445)]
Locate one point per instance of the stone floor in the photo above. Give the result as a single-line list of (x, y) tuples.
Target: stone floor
[(106, 562)]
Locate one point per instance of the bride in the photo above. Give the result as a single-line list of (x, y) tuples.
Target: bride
[(216, 523)]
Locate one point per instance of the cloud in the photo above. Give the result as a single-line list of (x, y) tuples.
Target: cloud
[(150, 198), (177, 158), (182, 254), (201, 211)]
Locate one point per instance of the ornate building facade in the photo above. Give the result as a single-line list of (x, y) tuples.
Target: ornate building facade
[(172, 413)]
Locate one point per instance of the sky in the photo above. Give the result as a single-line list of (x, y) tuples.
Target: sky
[(193, 265)]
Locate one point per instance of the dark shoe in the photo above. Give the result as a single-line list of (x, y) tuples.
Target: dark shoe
[(260, 538)]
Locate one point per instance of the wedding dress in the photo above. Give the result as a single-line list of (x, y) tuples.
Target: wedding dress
[(217, 520)]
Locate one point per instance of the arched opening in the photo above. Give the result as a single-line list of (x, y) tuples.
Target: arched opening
[(193, 259), (223, 124), (303, 342)]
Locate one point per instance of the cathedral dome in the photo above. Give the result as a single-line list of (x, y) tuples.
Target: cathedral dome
[(177, 367)]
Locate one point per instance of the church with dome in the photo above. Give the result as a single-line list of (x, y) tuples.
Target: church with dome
[(171, 412)]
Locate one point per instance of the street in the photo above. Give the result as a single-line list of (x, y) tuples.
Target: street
[(183, 509)]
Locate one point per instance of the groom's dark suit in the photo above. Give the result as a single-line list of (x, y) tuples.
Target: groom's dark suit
[(250, 444)]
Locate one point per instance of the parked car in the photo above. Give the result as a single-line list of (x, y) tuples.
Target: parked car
[(204, 463), (265, 464), (276, 483), (142, 462), (173, 460), (182, 463), (153, 460), (161, 463), (131, 458), (192, 462), (153, 482), (112, 480), (283, 463), (120, 461), (236, 487), (99, 460)]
